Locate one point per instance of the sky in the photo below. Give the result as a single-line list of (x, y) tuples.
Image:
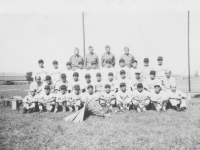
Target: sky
[(52, 34)]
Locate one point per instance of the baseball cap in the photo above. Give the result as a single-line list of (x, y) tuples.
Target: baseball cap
[(122, 84), (152, 72), (137, 71), (157, 84), (134, 61), (68, 63), (93, 62), (173, 85), (75, 74), (48, 77), (146, 59), (122, 71), (139, 85), (47, 87), (55, 62), (76, 87), (107, 46), (110, 74), (90, 86), (63, 87), (80, 63), (121, 60), (40, 61), (108, 61), (98, 74), (107, 86), (63, 75), (160, 58), (167, 71), (87, 75)]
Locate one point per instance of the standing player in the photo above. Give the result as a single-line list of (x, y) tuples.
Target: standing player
[(135, 81), (177, 98), (107, 98), (123, 98), (37, 85), (146, 69), (133, 69), (81, 71), (47, 100), (127, 57), (98, 84), (107, 56), (160, 68), (55, 72), (91, 57), (50, 84), (167, 80), (61, 98), (122, 66), (112, 82), (75, 59), (40, 71), (69, 72), (159, 98), (140, 98), (152, 81), (63, 81), (108, 68)]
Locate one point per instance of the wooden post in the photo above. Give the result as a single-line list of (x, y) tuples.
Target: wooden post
[(189, 83), (83, 35)]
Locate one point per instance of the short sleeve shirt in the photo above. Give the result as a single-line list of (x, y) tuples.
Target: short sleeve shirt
[(61, 97), (42, 72), (55, 74), (105, 57), (91, 58), (60, 83), (128, 60)]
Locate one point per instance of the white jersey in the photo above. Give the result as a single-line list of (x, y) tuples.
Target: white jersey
[(108, 95), (38, 87), (105, 72), (73, 83), (52, 86), (29, 99), (42, 72), (145, 71), (124, 97), (90, 97), (44, 98), (158, 97), (61, 97), (176, 95), (126, 81), (60, 83), (93, 73), (75, 97), (85, 85), (140, 96), (99, 86), (69, 74), (132, 72), (149, 83), (166, 82), (125, 68), (113, 84), (160, 71), (81, 73), (55, 74), (135, 81)]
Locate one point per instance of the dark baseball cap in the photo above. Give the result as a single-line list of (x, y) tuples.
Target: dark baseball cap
[(160, 58), (134, 61), (40, 61), (77, 87), (63, 75), (87, 75), (63, 87), (110, 74), (75, 74), (152, 72), (98, 74), (139, 85), (68, 63), (107, 86), (47, 87), (48, 77), (122, 84), (122, 71), (146, 59), (121, 60), (93, 63), (80, 63), (55, 62), (90, 86)]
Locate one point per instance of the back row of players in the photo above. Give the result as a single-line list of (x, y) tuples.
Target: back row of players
[(121, 87)]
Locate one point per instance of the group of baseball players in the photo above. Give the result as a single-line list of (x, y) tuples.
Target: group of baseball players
[(117, 84)]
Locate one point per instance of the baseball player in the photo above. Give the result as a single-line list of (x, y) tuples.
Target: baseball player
[(81, 71), (145, 70), (55, 72), (123, 98), (37, 85), (127, 57), (87, 82), (75, 59), (91, 57), (107, 56), (159, 98), (112, 82), (122, 66), (75, 80), (167, 80), (140, 98), (74, 99), (69, 72), (50, 83), (177, 98), (47, 100), (124, 79), (136, 80), (29, 102), (107, 97), (63, 81), (133, 69), (108, 68), (61, 98), (160, 68), (93, 71), (152, 81), (40, 71), (98, 84)]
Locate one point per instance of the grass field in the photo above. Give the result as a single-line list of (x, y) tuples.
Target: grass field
[(131, 130)]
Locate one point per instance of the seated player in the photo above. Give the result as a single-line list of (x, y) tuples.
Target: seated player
[(93, 71), (50, 83), (61, 98), (150, 82), (135, 81), (37, 85), (47, 100), (29, 102), (177, 98), (124, 79), (167, 80), (69, 72), (63, 81), (107, 98), (159, 98), (74, 99), (92, 103), (81, 71), (112, 82), (133, 69), (87, 82), (140, 98), (123, 98), (75, 81), (122, 66), (98, 84), (108, 68)]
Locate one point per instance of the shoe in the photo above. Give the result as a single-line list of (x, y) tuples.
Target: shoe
[(64, 110), (144, 109), (164, 109), (70, 109), (56, 110), (24, 111), (76, 109), (177, 108), (139, 110), (183, 109)]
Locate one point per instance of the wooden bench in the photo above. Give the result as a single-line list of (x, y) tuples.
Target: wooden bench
[(14, 101)]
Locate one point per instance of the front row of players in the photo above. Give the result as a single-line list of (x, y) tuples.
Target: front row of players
[(124, 99)]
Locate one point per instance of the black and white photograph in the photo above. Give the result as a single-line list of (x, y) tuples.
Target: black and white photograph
[(99, 75)]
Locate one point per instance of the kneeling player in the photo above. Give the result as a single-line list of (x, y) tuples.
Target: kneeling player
[(123, 98), (140, 98), (177, 98), (61, 98), (74, 99), (159, 98), (107, 98), (47, 100), (29, 102)]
